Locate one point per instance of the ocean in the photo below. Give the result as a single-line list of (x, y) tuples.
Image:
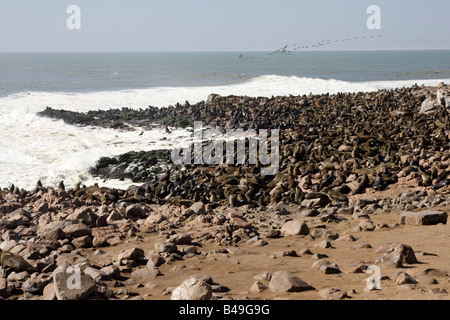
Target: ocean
[(34, 148)]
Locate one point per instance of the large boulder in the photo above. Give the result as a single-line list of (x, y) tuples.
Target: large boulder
[(73, 286), (423, 218), (192, 289), (295, 228)]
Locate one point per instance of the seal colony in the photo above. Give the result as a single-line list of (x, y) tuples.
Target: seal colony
[(349, 163)]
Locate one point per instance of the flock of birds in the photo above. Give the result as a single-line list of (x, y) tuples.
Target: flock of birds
[(288, 49)]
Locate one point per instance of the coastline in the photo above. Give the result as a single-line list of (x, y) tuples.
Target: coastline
[(350, 165)]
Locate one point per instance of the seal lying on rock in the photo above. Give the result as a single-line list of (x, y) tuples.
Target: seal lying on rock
[(15, 262)]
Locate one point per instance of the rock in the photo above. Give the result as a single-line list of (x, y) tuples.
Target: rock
[(349, 238), (34, 286), (82, 242), (48, 293), (423, 218), (405, 278), (265, 276), (146, 273), (192, 289), (77, 230), (283, 281), (406, 251), (360, 268), (135, 212), (427, 280), (198, 208), (19, 217), (190, 250), (435, 273), (73, 286), (258, 287), (366, 225), (204, 277), (325, 244), (130, 254), (333, 294), (181, 239), (295, 228), (438, 291), (394, 259), (239, 221), (305, 251), (154, 259), (273, 234), (84, 214), (165, 247), (54, 235), (111, 272), (96, 274), (330, 269), (15, 262), (4, 289)]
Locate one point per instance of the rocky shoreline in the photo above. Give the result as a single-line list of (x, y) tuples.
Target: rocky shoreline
[(353, 168)]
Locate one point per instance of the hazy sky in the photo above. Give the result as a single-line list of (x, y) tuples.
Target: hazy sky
[(225, 25)]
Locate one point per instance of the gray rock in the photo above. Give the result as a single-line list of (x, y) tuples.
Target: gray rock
[(181, 239), (130, 254), (96, 274), (283, 281), (394, 259), (192, 289), (84, 214), (325, 244), (435, 273), (72, 286), (423, 218), (406, 251), (154, 259), (203, 277), (54, 235), (333, 294), (165, 247), (198, 208), (146, 273), (258, 287), (265, 276), (82, 242), (77, 230), (34, 286), (19, 217), (438, 291), (405, 278), (427, 280), (112, 272), (190, 249), (294, 228), (330, 269), (4, 289)]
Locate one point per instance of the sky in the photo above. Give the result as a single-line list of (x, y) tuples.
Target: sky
[(220, 25)]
